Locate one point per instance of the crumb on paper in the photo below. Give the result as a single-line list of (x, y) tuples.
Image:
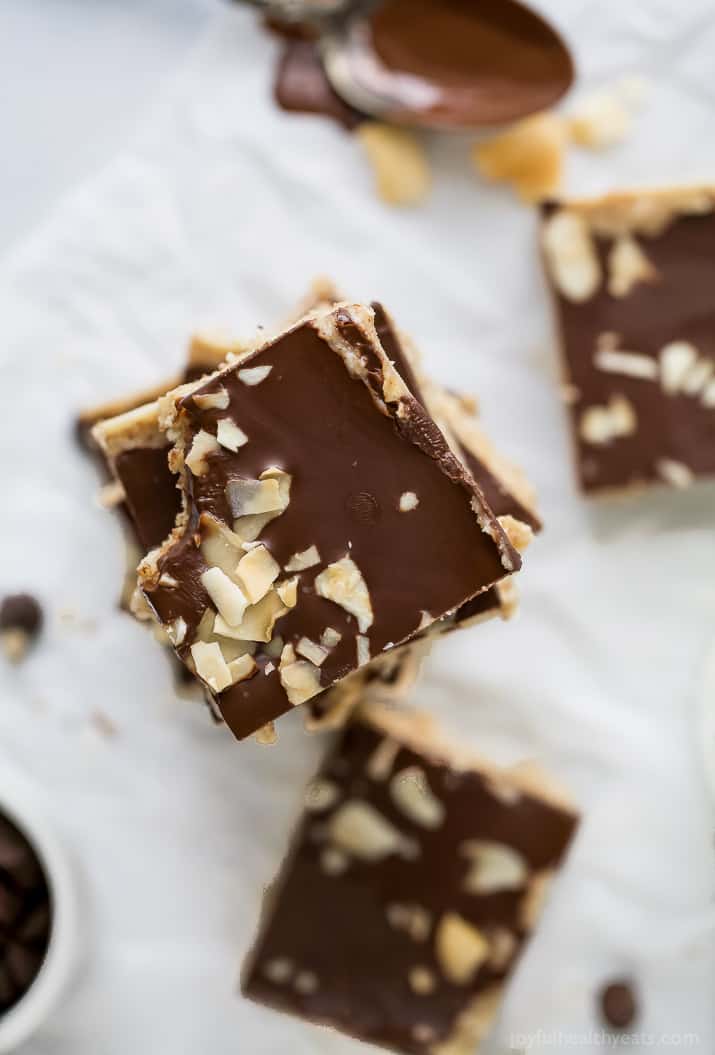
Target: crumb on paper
[(104, 725), (529, 156), (605, 118), (399, 163)]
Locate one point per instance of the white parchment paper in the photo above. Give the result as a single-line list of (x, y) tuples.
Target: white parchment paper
[(218, 216)]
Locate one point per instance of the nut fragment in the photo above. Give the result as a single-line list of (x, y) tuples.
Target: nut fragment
[(520, 535), (399, 163), (218, 400), (310, 650), (278, 971), (601, 121), (333, 861), (220, 547), (408, 501), (677, 359), (493, 867), (411, 918), (698, 378), (381, 762), (229, 435), (288, 592), (256, 573), (176, 631), (248, 497), (306, 983), (306, 559), (571, 255), (599, 425), (358, 829), (111, 495), (253, 375), (284, 480), (330, 637), (708, 396), (249, 527), (677, 474), (363, 650), (225, 594), (266, 735), (529, 155), (628, 266), (343, 584), (630, 364), (241, 668), (411, 793), (210, 665), (299, 677), (422, 980), (258, 620), (502, 946), (461, 949), (203, 445)]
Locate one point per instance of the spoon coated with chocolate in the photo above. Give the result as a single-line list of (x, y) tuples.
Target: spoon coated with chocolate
[(444, 64)]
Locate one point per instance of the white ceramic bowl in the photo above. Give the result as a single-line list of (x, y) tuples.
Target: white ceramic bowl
[(24, 806)]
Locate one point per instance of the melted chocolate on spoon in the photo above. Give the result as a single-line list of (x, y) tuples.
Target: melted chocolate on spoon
[(437, 63)]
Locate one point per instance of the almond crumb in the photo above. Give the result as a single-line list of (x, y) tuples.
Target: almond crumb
[(399, 163), (529, 155)]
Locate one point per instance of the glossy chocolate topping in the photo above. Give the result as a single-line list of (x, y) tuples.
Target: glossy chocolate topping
[(25, 915), (151, 496), (350, 463), (459, 62), (499, 498), (674, 305), (347, 930)]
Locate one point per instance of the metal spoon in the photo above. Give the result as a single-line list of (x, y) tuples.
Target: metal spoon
[(444, 64)]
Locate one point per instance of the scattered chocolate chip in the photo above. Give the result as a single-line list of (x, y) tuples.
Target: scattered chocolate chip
[(619, 1008), (20, 622), (20, 611)]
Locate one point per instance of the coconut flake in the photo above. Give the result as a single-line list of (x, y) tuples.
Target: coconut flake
[(225, 594), (253, 375), (229, 435), (343, 584)]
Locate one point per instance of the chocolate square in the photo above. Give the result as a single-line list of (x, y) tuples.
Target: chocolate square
[(321, 409), (632, 276), (415, 878)]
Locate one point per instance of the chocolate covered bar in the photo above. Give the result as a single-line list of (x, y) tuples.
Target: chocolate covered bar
[(632, 276), (325, 522), (415, 878)]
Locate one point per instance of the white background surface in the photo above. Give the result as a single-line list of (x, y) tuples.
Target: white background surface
[(218, 214)]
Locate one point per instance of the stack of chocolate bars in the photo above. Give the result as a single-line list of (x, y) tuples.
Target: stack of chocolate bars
[(311, 514)]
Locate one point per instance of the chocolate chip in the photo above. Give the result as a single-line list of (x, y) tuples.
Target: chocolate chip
[(619, 1007), (20, 611), (20, 622)]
